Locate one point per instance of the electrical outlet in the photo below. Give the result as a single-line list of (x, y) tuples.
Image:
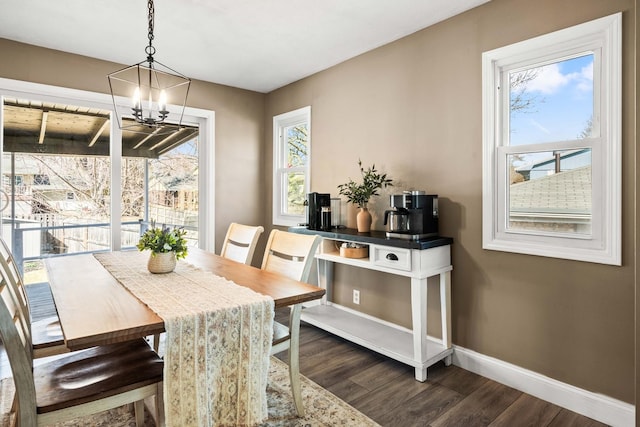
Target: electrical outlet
[(356, 296)]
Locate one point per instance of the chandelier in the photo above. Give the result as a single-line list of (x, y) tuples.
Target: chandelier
[(150, 85)]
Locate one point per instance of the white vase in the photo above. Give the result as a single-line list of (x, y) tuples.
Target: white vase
[(164, 262)]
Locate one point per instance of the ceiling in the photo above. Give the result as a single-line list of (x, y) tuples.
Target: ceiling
[(260, 45)]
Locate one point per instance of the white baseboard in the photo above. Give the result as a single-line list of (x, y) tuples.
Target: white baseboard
[(593, 405)]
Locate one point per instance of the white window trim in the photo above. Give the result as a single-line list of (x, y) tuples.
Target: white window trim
[(279, 170), (604, 246)]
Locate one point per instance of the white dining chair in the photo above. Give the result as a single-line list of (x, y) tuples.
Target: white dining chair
[(291, 255), (46, 334), (80, 383), (240, 242)]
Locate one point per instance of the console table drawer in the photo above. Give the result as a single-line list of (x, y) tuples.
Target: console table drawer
[(397, 258)]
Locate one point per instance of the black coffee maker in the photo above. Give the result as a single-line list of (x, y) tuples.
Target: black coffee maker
[(422, 210), (319, 211)]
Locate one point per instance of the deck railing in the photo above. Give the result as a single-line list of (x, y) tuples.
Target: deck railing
[(73, 239)]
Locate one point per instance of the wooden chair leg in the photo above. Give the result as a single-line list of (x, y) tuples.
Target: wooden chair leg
[(155, 406), (160, 421), (156, 343), (294, 363), (138, 409)]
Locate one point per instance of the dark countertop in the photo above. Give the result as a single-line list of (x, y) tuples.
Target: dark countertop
[(376, 237)]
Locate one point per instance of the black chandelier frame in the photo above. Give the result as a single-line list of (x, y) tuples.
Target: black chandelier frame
[(150, 85)]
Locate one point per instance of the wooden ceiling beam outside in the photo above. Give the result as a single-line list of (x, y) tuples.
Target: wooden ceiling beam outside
[(188, 136), (146, 138), (59, 129), (43, 126), (66, 110), (53, 145), (165, 140), (97, 135)]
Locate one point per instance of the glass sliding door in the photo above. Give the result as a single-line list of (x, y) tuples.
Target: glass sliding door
[(73, 182), (162, 185), (56, 178)]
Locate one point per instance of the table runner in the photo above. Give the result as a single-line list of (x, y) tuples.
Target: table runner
[(218, 340)]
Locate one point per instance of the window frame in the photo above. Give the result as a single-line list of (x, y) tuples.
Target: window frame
[(603, 37), (280, 169)]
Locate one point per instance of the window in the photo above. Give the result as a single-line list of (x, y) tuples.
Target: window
[(291, 148), (551, 144), (93, 180)]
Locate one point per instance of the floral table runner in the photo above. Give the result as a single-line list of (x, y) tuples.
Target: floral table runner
[(218, 339)]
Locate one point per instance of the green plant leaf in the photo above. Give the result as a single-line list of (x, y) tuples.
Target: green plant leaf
[(360, 193), (161, 240)]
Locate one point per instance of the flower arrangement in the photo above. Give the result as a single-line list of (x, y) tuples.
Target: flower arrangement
[(360, 193), (164, 239)]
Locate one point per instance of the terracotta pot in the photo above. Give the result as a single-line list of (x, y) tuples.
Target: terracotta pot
[(164, 262), (363, 220)]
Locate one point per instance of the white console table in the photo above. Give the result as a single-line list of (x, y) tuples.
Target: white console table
[(417, 260)]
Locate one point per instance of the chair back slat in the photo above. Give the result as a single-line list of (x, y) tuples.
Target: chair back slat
[(9, 271), (11, 267), (290, 254), (240, 242)]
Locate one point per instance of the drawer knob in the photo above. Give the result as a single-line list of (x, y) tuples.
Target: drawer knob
[(392, 257)]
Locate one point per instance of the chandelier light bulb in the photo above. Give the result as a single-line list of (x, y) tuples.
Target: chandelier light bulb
[(136, 98), (162, 103)]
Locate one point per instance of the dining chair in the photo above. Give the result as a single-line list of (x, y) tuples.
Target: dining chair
[(240, 242), (291, 255), (80, 383), (46, 334)]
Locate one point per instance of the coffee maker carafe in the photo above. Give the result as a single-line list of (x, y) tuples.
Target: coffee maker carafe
[(417, 215), (397, 220)]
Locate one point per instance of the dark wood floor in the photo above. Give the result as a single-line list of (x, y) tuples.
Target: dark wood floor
[(388, 393), (386, 390)]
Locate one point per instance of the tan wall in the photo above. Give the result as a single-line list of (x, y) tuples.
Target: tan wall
[(414, 109), (238, 123), (636, 113)]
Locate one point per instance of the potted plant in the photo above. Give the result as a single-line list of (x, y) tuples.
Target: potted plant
[(166, 245), (360, 193)]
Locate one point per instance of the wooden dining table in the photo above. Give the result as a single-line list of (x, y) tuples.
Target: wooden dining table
[(95, 309), (97, 300)]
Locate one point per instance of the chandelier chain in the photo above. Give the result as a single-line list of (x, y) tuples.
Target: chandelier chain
[(150, 50)]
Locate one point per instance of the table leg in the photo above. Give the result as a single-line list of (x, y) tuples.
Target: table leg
[(445, 308), (294, 353), (419, 321)]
